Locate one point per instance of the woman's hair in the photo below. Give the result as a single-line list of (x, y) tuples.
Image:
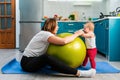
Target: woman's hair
[(90, 25), (50, 25)]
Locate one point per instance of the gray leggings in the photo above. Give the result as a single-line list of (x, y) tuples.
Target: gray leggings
[(32, 64)]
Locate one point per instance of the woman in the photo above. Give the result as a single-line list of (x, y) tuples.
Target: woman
[(35, 56)]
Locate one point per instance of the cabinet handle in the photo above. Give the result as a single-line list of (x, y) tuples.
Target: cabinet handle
[(101, 22), (106, 28), (70, 24), (70, 31)]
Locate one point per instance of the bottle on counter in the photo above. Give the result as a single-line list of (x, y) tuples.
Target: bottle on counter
[(89, 18), (83, 16), (72, 17)]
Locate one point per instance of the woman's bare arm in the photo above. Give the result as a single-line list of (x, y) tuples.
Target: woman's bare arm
[(62, 41)]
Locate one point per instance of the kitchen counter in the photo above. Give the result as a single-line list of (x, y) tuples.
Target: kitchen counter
[(106, 18), (72, 20), (91, 20)]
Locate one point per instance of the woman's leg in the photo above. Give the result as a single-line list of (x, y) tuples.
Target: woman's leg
[(63, 68), (32, 64), (59, 66), (36, 63)]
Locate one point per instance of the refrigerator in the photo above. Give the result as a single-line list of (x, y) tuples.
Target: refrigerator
[(31, 12)]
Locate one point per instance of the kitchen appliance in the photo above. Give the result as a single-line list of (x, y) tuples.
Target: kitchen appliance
[(118, 11), (102, 15), (31, 12)]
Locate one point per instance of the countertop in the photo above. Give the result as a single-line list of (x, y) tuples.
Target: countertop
[(91, 20), (72, 20)]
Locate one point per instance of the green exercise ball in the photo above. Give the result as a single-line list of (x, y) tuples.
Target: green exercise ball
[(72, 54)]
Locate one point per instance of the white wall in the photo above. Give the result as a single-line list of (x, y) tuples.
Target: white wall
[(65, 8), (17, 23), (112, 5)]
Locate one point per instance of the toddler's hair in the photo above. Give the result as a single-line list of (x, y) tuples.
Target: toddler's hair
[(90, 25)]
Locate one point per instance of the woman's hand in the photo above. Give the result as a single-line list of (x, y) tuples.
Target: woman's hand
[(79, 32)]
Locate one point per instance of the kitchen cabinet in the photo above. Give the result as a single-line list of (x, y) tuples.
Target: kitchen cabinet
[(114, 39), (101, 32), (107, 37), (70, 27), (67, 26)]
